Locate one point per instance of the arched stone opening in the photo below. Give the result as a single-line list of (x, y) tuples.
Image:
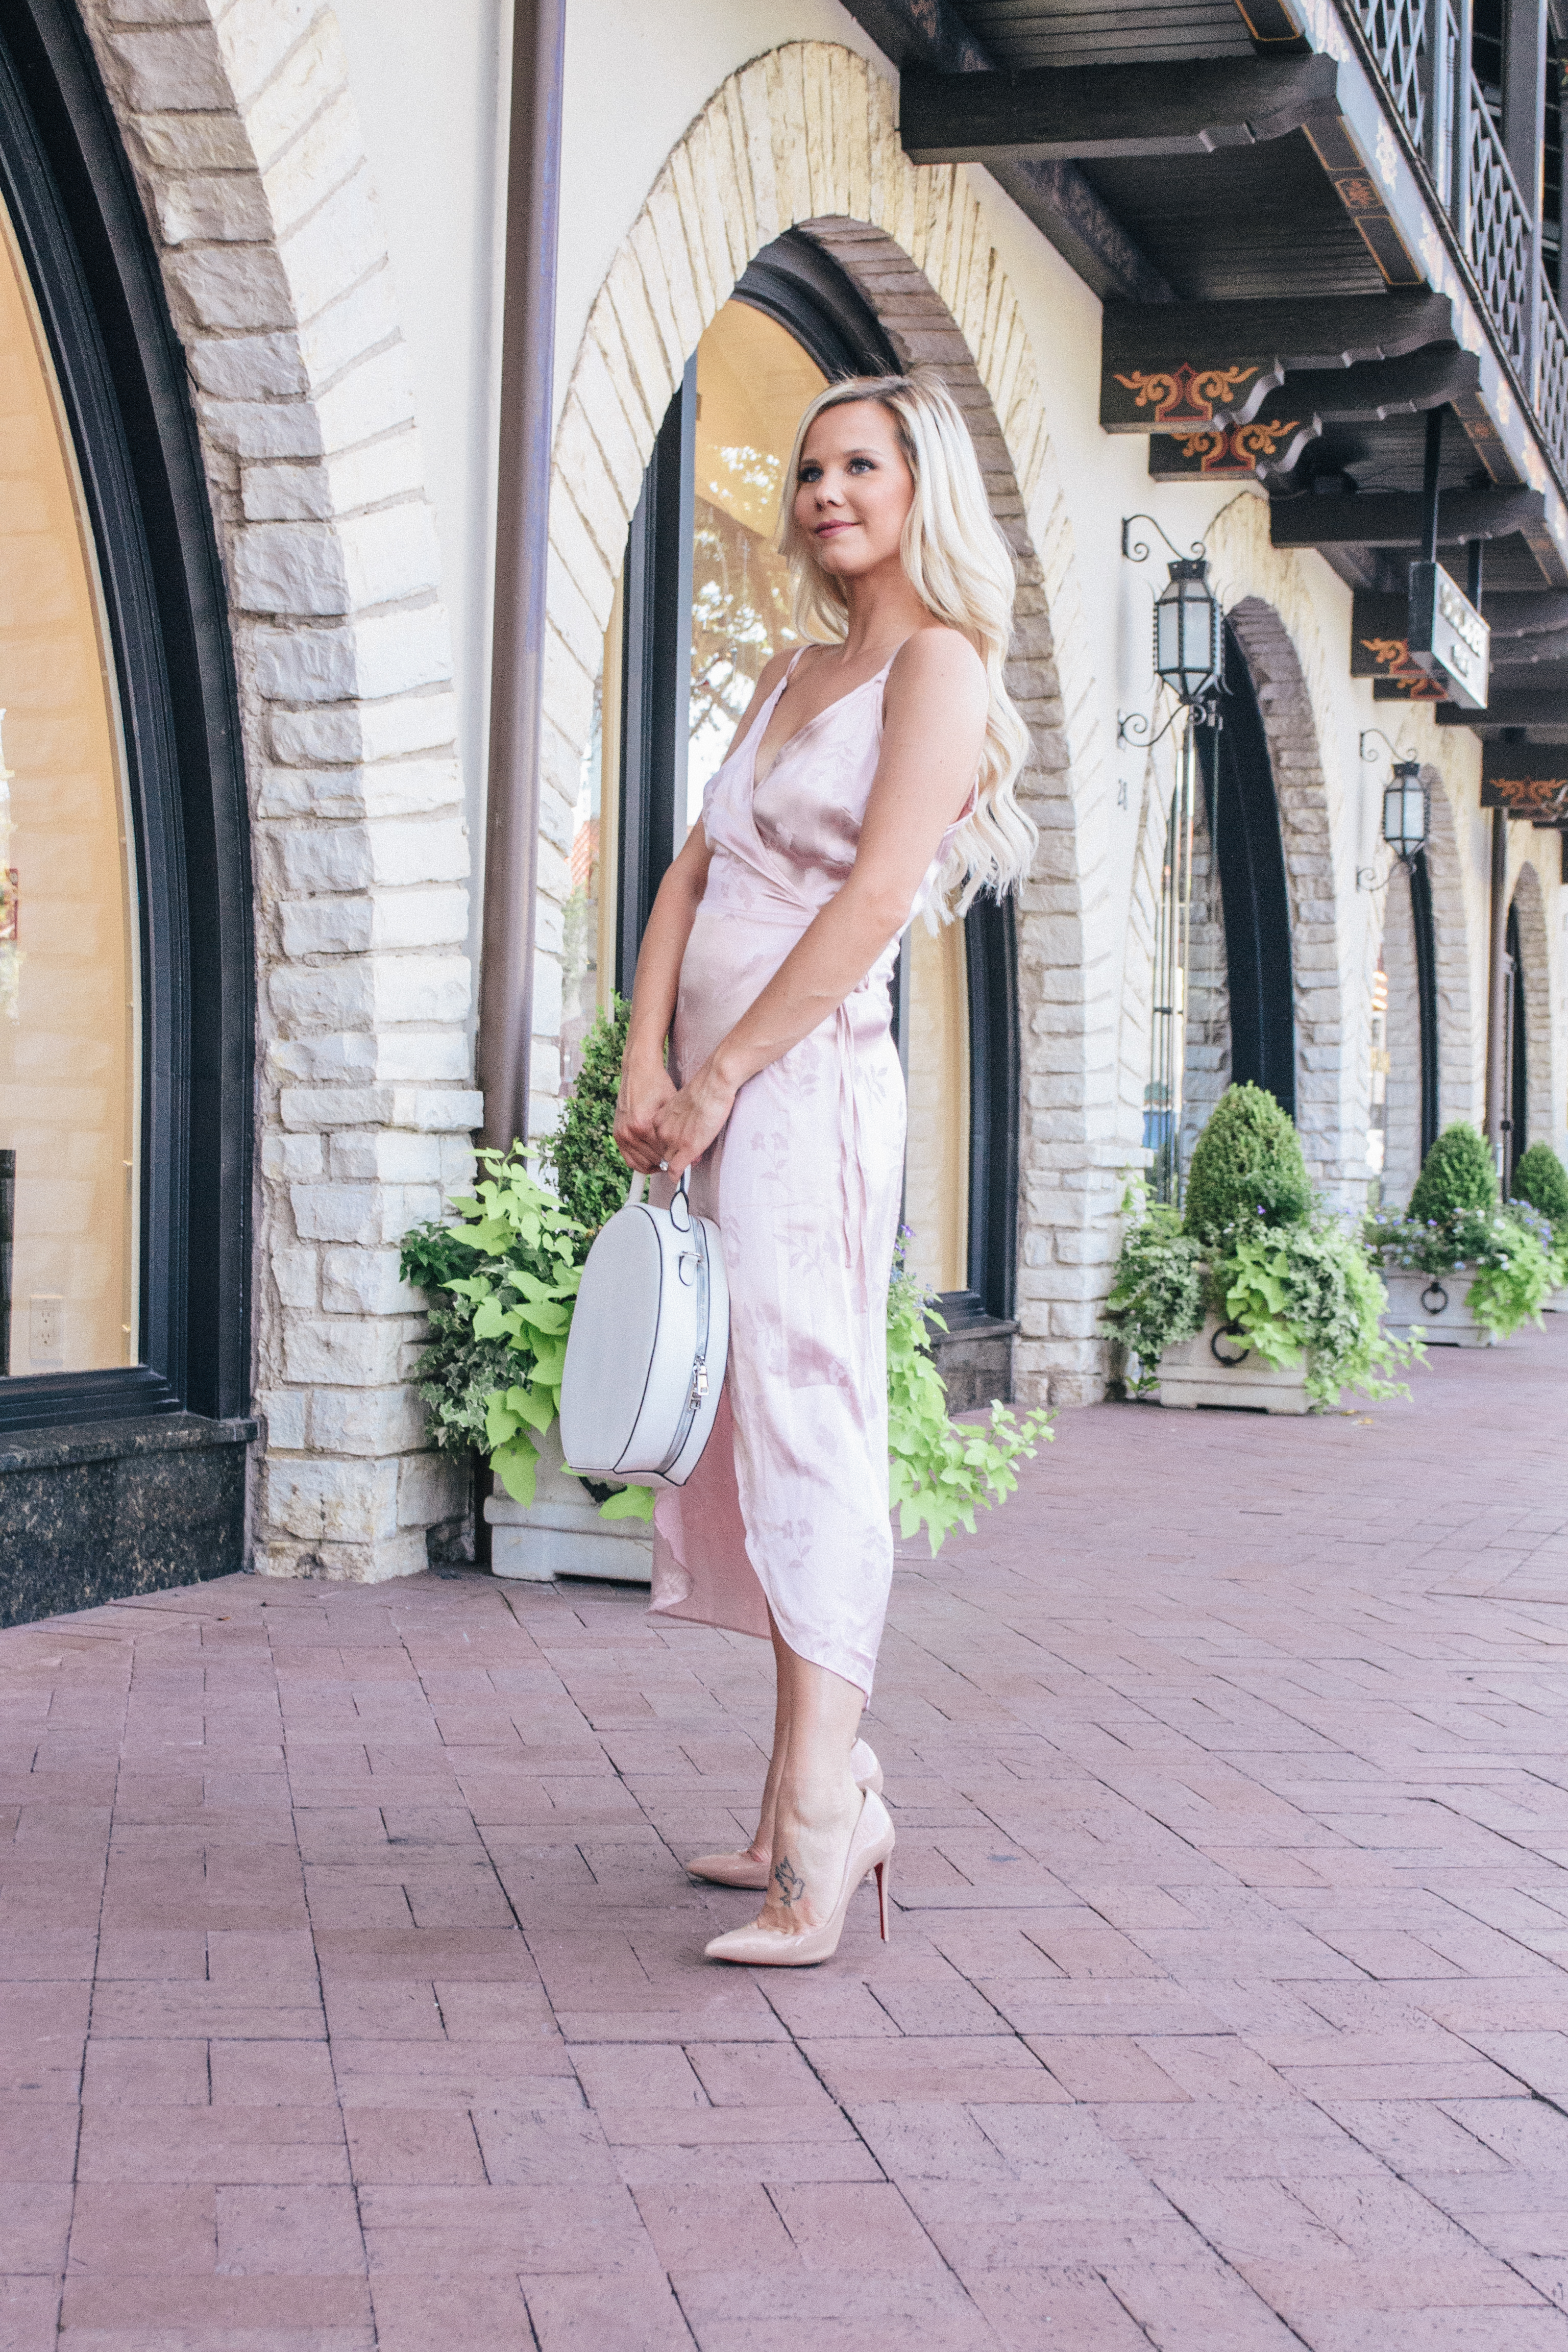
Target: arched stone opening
[(1331, 1097), (242, 132), (1527, 906), (914, 243)]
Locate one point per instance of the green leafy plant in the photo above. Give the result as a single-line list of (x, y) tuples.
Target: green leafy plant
[(1540, 1181), (1509, 1253), (941, 1471), (1457, 1174), (1247, 1168), (502, 1280), (590, 1175), (1157, 1299), (1290, 1281), (1309, 1291)]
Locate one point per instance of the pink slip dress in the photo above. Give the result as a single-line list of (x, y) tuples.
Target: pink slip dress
[(787, 1509)]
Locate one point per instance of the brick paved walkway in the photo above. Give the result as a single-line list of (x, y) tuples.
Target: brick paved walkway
[(1225, 2005)]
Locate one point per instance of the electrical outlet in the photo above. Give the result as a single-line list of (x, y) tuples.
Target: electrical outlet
[(46, 1329)]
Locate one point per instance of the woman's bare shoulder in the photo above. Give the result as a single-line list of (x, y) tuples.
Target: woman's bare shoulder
[(939, 657)]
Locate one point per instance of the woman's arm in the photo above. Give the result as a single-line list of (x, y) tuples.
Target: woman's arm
[(646, 1084), (936, 707)]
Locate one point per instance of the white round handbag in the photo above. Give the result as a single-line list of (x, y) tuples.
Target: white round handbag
[(649, 1344)]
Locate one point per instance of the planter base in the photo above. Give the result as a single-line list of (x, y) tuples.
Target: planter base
[(1193, 1373), (560, 1533), (1446, 1322)]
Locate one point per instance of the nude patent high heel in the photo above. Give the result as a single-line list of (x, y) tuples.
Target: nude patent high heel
[(750, 1870), (870, 1849)]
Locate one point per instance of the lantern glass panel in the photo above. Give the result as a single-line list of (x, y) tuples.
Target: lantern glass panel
[(1404, 815), (1186, 630)]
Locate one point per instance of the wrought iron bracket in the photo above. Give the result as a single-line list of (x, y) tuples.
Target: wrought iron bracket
[(1140, 551)]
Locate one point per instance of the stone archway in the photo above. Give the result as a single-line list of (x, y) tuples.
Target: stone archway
[(914, 241), (1527, 904), (242, 132), (1323, 1079)]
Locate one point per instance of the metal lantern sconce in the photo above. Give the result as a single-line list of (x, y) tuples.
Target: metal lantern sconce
[(1407, 814), (1407, 807), (1189, 632)]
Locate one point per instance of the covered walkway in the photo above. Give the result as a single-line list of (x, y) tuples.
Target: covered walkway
[(354, 1993)]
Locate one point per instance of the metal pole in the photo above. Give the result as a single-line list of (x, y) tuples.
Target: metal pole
[(1179, 993), (1497, 994), (523, 523), (1430, 477)]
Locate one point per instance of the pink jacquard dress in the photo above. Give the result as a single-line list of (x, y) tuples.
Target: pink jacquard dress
[(787, 1509)]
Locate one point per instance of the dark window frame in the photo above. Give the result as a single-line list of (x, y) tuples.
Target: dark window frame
[(1242, 810), (794, 282), (122, 380), (1425, 936)]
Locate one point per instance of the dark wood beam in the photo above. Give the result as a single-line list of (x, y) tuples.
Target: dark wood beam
[(930, 35), (1529, 783), (1064, 114), (1172, 367), (1403, 387), (1515, 615), (1393, 518), (1520, 656), (1543, 703)]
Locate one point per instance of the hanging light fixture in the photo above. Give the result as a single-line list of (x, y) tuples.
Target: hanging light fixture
[(1406, 812), (1189, 632)]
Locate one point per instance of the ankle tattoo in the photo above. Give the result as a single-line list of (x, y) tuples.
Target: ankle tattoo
[(790, 1883)]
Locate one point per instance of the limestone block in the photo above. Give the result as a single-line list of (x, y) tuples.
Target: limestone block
[(391, 467), (292, 1157), (293, 665), (285, 493), (260, 429), (342, 1213), (385, 1155), (397, 652), (191, 142), (353, 1502), (372, 398), (294, 1273), (328, 153), (347, 1351), (374, 1421), (421, 989), (357, 323), (322, 856), (322, 1107), (441, 1110), (226, 206), (365, 1282), (408, 851), (289, 567), (363, 731), (283, 1411), (172, 68), (233, 285), (420, 918), (282, 93), (335, 247), (327, 926), (431, 1488)]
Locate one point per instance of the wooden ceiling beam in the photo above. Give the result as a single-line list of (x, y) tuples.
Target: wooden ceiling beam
[(1177, 367), (1393, 518), (1064, 114), (1543, 703)]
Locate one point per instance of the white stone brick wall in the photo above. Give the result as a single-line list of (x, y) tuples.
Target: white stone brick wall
[(241, 129)]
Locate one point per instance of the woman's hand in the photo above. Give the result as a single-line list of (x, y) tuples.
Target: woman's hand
[(645, 1090), (687, 1123)]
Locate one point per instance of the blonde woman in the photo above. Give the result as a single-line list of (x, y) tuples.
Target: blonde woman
[(871, 778)]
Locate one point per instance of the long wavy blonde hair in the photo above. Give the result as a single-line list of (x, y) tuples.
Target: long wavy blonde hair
[(960, 568)]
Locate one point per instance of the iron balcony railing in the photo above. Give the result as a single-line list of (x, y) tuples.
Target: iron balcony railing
[(1416, 45)]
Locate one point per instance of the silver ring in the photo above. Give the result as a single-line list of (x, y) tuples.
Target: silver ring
[(664, 1166)]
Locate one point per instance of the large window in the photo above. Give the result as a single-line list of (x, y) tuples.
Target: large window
[(70, 978), (126, 957), (702, 605)]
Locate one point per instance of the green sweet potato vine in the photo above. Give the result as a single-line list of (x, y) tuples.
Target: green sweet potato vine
[(941, 1471)]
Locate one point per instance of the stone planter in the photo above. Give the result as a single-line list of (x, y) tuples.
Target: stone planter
[(1557, 1304), (1438, 1305), (1212, 1369), (560, 1533)]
